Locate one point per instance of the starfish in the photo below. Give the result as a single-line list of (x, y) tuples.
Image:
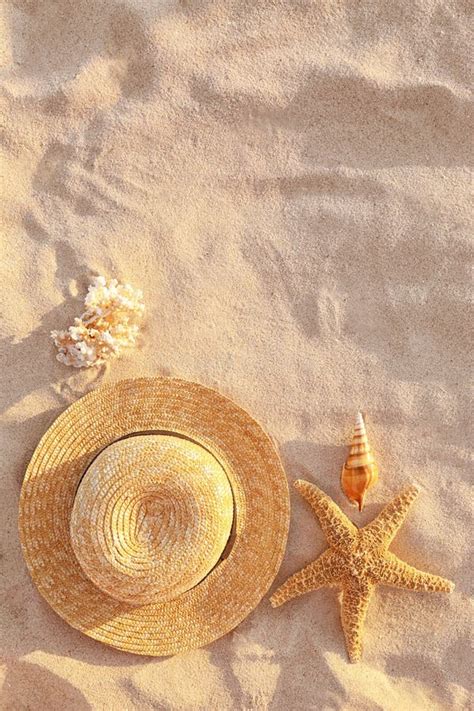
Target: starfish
[(356, 561)]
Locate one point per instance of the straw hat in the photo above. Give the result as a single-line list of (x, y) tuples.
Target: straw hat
[(154, 515)]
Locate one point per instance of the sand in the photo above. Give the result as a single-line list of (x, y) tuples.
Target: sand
[(288, 183)]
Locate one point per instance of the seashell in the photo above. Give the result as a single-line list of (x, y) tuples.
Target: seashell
[(360, 471)]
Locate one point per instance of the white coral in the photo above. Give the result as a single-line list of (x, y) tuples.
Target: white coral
[(109, 323)]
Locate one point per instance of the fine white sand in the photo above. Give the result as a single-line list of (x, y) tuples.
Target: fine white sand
[(287, 182)]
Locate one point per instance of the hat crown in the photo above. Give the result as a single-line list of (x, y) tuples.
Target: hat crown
[(151, 517)]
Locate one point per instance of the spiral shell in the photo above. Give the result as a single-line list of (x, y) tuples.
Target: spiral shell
[(360, 471)]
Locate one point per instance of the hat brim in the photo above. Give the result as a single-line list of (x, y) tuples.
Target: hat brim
[(261, 514)]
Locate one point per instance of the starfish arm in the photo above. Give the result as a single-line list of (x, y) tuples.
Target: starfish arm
[(397, 573), (313, 576), (355, 602), (382, 530), (337, 528)]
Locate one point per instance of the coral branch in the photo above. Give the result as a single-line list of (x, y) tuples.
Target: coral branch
[(109, 324)]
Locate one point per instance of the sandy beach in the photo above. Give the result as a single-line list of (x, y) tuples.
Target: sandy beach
[(289, 185)]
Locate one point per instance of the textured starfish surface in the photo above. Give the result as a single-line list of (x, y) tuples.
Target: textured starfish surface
[(356, 561)]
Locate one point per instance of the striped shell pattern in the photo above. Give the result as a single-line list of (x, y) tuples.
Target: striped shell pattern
[(360, 471)]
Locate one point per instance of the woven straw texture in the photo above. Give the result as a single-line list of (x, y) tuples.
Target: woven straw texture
[(159, 542), (151, 517)]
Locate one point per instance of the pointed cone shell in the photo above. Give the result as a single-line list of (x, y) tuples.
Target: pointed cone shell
[(360, 471)]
